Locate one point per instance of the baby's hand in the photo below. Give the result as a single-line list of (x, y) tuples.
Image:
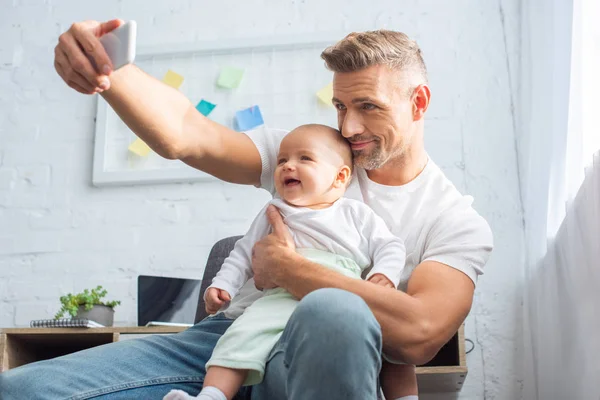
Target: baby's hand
[(382, 280), (215, 299)]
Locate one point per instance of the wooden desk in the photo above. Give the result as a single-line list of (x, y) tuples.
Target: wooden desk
[(20, 346)]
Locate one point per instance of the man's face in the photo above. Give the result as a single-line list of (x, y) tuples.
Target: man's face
[(375, 114)]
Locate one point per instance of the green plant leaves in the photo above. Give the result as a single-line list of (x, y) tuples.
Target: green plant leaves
[(88, 298)]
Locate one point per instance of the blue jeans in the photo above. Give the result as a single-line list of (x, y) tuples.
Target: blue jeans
[(330, 349)]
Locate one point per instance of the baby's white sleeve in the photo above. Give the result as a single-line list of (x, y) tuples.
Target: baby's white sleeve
[(237, 268), (386, 250)]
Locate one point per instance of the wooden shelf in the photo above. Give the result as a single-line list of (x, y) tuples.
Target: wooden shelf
[(20, 346), (124, 330), (448, 369)]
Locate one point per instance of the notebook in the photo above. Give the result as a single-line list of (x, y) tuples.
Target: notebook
[(65, 323), (165, 301)]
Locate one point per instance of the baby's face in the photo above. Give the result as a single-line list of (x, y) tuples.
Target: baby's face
[(307, 167)]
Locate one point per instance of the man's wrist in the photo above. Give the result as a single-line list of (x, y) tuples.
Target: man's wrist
[(286, 264)]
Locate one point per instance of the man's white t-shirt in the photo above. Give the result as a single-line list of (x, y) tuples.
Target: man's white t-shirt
[(436, 222)]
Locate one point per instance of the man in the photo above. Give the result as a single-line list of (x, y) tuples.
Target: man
[(332, 345)]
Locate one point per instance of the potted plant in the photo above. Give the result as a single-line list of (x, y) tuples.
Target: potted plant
[(88, 304)]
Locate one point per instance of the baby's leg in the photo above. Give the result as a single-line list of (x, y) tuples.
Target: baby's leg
[(227, 380), (398, 381), (219, 384)]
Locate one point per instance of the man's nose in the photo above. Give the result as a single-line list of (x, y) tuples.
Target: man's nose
[(352, 125)]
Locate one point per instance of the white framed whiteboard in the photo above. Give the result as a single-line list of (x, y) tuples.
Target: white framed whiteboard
[(281, 76)]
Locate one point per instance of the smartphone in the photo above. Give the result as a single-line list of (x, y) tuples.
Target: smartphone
[(119, 45)]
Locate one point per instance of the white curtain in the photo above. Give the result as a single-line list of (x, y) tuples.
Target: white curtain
[(558, 145)]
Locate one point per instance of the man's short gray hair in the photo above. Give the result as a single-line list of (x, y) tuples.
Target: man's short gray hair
[(382, 47)]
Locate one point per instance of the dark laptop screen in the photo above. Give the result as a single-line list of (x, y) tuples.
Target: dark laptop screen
[(165, 299)]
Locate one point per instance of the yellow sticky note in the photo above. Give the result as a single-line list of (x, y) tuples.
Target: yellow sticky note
[(139, 147), (173, 79), (326, 94)]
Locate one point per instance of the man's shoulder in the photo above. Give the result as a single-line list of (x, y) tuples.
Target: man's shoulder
[(454, 211), (440, 192), (441, 206), (267, 135)]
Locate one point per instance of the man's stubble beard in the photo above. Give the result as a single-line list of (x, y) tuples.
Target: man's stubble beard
[(372, 160), (376, 159)]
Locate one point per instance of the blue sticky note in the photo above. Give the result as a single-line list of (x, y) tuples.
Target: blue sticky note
[(248, 118), (205, 107)]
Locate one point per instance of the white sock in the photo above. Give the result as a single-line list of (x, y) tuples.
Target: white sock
[(208, 393), (177, 394), (211, 393), (411, 397)]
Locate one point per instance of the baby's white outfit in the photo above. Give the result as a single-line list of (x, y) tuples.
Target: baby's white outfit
[(347, 237)]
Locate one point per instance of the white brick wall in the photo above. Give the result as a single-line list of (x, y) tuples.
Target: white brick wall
[(59, 234)]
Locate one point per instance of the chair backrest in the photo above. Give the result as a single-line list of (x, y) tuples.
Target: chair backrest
[(219, 252)]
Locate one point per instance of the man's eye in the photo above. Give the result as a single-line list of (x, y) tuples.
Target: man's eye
[(305, 158), (339, 106), (368, 106)]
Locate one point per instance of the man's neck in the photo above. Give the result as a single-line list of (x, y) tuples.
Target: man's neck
[(400, 171)]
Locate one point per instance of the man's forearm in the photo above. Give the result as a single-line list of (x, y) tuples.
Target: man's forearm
[(152, 110), (166, 120), (399, 315)]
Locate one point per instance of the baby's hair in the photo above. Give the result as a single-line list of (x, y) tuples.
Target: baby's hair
[(342, 145)]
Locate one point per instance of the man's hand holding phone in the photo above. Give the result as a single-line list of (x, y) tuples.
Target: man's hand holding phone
[(81, 58)]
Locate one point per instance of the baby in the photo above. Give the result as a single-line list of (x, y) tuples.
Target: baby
[(312, 174)]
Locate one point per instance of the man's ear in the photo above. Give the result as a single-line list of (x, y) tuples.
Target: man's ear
[(421, 98), (343, 177)]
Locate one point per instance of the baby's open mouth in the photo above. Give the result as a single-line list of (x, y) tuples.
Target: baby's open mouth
[(291, 182)]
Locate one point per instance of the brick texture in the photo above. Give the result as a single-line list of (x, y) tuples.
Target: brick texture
[(59, 234)]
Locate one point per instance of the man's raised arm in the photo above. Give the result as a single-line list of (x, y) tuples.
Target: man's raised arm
[(159, 114)]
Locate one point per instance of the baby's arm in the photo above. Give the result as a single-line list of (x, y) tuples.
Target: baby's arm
[(387, 251), (237, 268), (215, 299)]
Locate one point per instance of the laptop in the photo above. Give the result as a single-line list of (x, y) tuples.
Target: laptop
[(164, 301)]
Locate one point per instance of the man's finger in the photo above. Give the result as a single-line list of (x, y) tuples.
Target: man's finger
[(94, 48), (73, 79), (88, 40), (78, 88), (279, 228), (61, 64), (71, 84), (81, 81), (108, 26), (80, 63)]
